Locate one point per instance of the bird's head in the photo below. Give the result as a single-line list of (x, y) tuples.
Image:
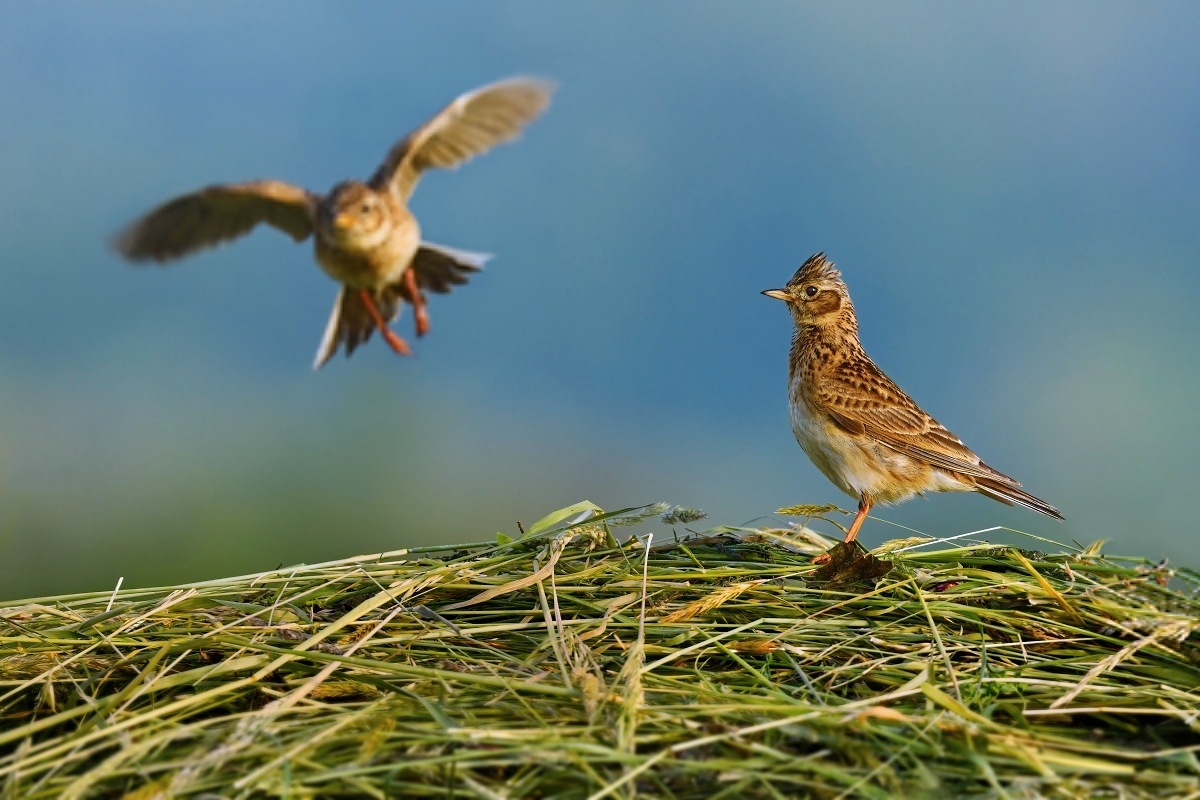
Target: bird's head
[(353, 214), (816, 295)]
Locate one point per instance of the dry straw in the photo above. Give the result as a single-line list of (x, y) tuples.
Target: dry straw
[(562, 664)]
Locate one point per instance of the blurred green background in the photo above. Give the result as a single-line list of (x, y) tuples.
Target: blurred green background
[(1011, 190)]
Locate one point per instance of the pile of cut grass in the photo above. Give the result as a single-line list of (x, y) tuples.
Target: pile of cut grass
[(563, 664)]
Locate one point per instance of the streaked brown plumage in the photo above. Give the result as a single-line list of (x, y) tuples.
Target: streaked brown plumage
[(858, 427), (365, 236)]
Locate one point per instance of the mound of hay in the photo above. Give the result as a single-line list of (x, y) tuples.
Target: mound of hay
[(563, 664)]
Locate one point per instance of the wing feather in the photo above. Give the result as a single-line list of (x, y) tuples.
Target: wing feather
[(861, 399), (473, 124), (216, 214)]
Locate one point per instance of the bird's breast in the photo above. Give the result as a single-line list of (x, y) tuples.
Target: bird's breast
[(820, 441), (373, 259), (856, 463)]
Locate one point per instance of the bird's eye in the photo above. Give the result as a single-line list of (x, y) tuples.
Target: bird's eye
[(365, 208), (811, 291)]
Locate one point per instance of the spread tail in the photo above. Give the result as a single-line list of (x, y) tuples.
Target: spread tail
[(350, 324), (437, 268)]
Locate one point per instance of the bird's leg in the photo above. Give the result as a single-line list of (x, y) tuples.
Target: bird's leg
[(864, 505), (389, 336), (418, 301)]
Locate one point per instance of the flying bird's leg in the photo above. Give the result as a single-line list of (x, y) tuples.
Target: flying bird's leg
[(389, 336), (418, 301)]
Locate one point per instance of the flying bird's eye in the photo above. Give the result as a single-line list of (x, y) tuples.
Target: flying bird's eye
[(365, 208), (811, 291)]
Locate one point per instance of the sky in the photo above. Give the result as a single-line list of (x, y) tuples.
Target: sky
[(1011, 192)]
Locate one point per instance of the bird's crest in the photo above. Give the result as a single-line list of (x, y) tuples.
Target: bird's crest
[(816, 268)]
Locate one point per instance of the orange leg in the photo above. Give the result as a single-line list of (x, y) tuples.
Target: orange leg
[(864, 505), (418, 301), (389, 336)]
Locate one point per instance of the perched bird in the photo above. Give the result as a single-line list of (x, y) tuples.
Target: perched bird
[(364, 236), (859, 428)]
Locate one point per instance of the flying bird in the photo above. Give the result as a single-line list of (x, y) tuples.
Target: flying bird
[(858, 427), (364, 235)]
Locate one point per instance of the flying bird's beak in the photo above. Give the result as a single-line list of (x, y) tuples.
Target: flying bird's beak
[(343, 221), (778, 294)]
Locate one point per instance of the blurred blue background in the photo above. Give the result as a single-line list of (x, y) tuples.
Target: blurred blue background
[(1012, 192)]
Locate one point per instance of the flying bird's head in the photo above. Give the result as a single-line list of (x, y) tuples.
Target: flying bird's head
[(816, 295), (353, 215)]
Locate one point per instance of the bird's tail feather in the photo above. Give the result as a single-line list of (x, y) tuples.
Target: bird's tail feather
[(1010, 494), (437, 268), (350, 324)]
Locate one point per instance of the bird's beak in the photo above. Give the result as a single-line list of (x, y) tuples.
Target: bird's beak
[(343, 221), (778, 294)]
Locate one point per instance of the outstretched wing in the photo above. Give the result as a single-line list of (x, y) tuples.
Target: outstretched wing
[(474, 123), (217, 214)]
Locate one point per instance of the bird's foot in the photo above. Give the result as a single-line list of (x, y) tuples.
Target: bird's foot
[(394, 341)]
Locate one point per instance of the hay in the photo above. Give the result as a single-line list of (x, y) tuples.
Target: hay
[(562, 664)]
